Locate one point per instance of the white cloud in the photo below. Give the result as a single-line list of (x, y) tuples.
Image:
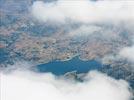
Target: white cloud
[(128, 53), (23, 85), (83, 11)]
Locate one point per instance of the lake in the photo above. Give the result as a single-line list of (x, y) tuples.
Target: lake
[(75, 64)]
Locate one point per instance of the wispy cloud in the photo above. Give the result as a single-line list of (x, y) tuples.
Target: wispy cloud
[(128, 53), (85, 30)]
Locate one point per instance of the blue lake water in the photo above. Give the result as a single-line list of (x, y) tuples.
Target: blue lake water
[(75, 64)]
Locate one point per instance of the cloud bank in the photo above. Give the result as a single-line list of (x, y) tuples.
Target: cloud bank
[(83, 11), (24, 85)]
